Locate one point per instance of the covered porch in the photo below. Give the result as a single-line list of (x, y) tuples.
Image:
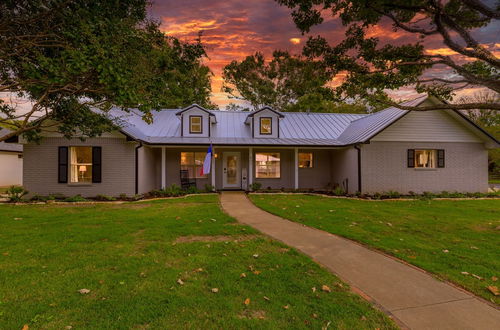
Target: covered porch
[(246, 167)]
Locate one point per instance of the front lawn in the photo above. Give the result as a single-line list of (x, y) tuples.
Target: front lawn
[(457, 240), (155, 265)]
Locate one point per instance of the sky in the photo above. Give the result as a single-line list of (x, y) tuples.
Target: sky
[(234, 29)]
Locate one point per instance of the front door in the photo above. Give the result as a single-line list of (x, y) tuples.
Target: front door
[(231, 170)]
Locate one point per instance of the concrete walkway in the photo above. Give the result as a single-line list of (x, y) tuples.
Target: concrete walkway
[(415, 298)]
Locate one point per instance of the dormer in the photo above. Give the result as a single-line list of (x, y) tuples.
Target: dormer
[(196, 121), (265, 123)]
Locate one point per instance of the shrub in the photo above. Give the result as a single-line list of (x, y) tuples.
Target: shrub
[(338, 191), (209, 188), (16, 193), (75, 199), (123, 197), (104, 198), (255, 186), (393, 194), (189, 190), (54, 197), (39, 198)]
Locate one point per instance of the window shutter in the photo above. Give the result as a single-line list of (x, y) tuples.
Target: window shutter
[(440, 153), (62, 169), (96, 164), (411, 158)]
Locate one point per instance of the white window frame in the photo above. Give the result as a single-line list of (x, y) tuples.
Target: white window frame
[(74, 178), (268, 164), (311, 162), (194, 166), (426, 153), (191, 124)]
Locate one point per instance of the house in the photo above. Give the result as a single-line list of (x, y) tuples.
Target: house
[(389, 150), (11, 162)]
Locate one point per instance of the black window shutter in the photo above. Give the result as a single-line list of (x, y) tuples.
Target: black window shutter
[(62, 169), (440, 153), (96, 164), (411, 158)]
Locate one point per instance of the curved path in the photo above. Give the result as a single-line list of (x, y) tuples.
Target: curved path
[(412, 296)]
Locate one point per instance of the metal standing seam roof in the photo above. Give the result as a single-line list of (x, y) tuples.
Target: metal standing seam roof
[(295, 128), (10, 147)]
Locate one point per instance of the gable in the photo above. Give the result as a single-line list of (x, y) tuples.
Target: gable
[(195, 112), (428, 126)]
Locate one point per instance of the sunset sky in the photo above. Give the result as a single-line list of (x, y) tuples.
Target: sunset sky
[(233, 29)]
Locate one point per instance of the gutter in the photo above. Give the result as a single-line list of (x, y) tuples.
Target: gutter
[(359, 166), (137, 167)]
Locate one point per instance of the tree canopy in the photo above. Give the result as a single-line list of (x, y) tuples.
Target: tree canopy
[(279, 83), (373, 66), (68, 56)]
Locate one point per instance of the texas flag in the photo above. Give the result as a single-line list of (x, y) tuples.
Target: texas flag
[(208, 162)]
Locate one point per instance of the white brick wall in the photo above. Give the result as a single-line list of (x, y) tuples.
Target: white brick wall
[(118, 167), (384, 168)]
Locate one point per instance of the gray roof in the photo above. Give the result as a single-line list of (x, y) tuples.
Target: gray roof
[(10, 147), (365, 128), (295, 128)]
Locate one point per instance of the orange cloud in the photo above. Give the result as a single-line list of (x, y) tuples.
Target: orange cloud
[(295, 41)]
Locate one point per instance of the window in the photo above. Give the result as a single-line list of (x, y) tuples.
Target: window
[(266, 125), (425, 158), (81, 164), (305, 160), (267, 165), (193, 163), (195, 125)]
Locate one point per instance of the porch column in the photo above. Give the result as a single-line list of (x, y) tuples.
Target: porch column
[(212, 169), (296, 168), (163, 167), (250, 167)]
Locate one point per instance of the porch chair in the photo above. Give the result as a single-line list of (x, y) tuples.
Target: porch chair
[(186, 181)]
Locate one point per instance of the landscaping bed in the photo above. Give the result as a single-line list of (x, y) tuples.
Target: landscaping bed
[(173, 263), (457, 240)]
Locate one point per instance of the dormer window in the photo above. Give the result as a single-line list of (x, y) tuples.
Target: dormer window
[(195, 125), (266, 125)]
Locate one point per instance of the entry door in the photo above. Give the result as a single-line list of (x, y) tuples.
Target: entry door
[(231, 171)]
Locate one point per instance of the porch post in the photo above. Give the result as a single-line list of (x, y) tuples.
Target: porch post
[(163, 167), (212, 169), (296, 168), (250, 167)]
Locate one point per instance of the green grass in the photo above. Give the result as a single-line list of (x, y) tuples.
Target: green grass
[(494, 181), (416, 231), (127, 256)]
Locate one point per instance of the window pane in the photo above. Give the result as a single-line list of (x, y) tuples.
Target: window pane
[(195, 124), (199, 157), (187, 158), (265, 125), (81, 164), (193, 163), (267, 165), (305, 159), (425, 158)]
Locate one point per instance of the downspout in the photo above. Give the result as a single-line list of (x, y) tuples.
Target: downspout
[(359, 166), (137, 167)]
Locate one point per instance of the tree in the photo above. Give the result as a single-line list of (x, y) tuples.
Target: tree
[(489, 120), (486, 118), (372, 67), (68, 57), (278, 83)]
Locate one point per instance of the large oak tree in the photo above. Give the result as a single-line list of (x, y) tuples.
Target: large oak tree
[(69, 56), (280, 82), (373, 66)]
